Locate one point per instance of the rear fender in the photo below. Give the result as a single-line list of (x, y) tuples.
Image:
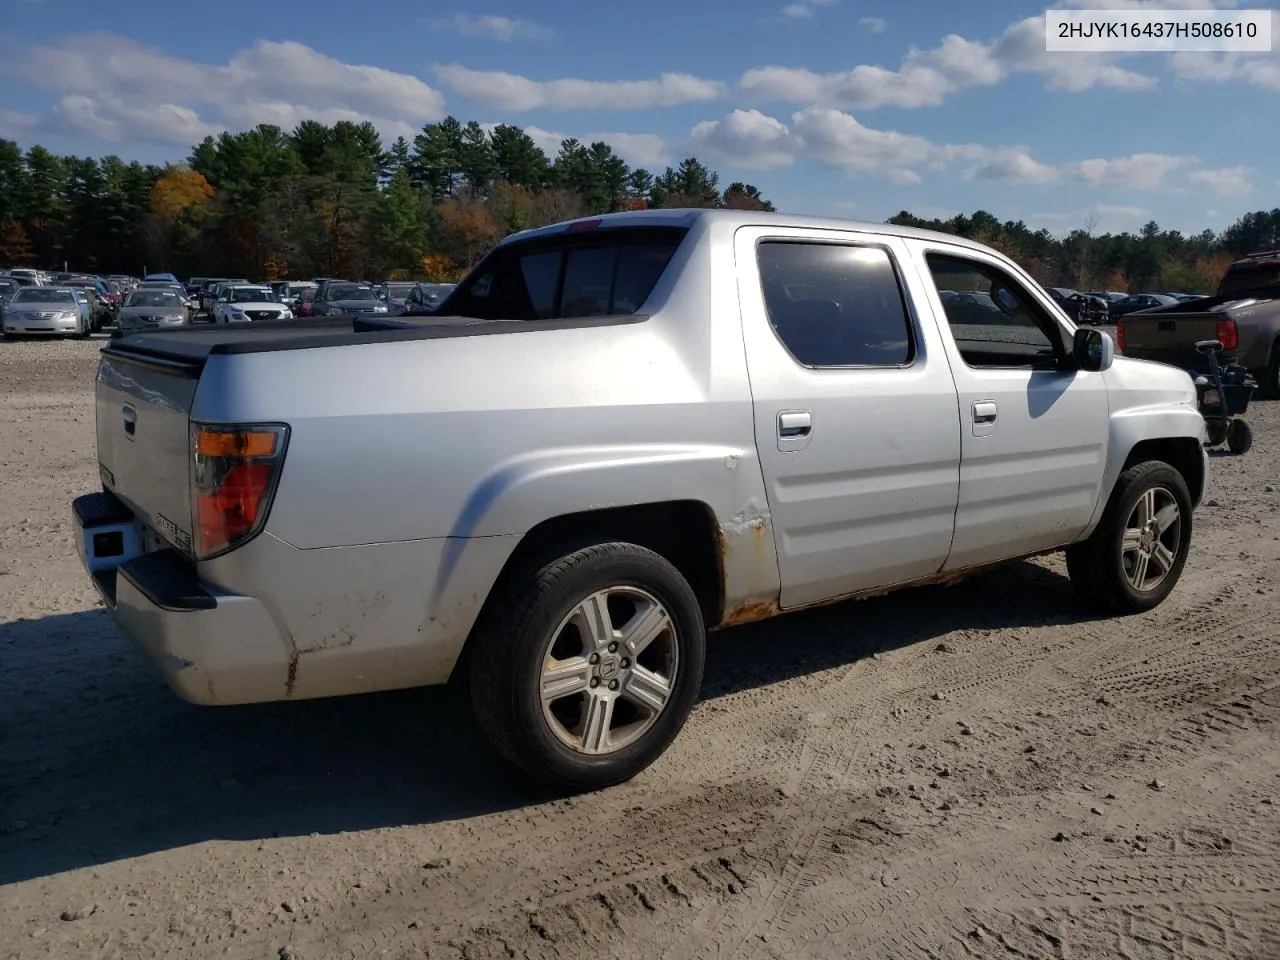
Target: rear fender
[(526, 491)]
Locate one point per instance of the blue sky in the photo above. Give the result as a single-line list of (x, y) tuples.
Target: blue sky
[(829, 106)]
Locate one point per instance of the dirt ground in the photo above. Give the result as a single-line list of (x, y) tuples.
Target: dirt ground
[(973, 771)]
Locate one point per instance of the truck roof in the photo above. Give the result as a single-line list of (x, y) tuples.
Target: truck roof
[(687, 217)]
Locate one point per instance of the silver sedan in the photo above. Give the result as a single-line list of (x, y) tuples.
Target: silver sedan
[(149, 307), (46, 311)]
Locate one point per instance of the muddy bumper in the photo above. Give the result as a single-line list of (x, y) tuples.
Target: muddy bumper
[(212, 647)]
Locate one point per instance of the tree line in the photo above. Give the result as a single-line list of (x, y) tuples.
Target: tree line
[(325, 200), (1151, 260), (335, 200)]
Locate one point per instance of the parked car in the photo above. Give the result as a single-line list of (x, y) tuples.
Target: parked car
[(8, 287), (346, 298), (163, 276), (304, 305), (1080, 307), (425, 298), (147, 308), (212, 289), (56, 311), (394, 295), (620, 432), (243, 304), (101, 312), (1244, 315), (1139, 301)]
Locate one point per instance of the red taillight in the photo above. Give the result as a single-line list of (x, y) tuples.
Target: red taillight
[(1120, 334), (1228, 335), (233, 476)]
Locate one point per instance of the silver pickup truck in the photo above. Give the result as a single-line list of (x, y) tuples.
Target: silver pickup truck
[(617, 434)]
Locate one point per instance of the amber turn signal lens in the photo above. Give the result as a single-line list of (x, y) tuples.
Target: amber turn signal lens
[(239, 444)]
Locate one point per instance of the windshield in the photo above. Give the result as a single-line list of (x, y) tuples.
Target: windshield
[(398, 291), (40, 295), (253, 295), (350, 291), (153, 298)]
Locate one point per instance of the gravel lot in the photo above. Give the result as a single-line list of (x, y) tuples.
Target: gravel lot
[(969, 771)]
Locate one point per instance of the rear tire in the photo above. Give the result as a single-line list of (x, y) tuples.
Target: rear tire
[(1134, 557), (585, 666), (1239, 437)]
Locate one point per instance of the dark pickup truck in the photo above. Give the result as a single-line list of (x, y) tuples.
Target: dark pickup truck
[(1244, 316)]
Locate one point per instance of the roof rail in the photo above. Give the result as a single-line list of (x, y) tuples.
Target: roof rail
[(1261, 255)]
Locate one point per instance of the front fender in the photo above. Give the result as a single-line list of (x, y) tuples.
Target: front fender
[(1135, 425)]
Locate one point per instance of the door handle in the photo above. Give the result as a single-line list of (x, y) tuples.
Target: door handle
[(795, 423), (984, 411)]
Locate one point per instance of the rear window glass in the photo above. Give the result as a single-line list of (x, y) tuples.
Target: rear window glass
[(586, 275), (1258, 277)]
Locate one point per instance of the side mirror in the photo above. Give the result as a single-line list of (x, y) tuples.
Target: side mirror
[(1092, 349)]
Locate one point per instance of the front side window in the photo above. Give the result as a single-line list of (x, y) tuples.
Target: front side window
[(835, 305), (606, 272), (994, 320)]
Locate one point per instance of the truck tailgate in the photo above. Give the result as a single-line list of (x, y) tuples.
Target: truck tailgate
[(1168, 338), (144, 449)]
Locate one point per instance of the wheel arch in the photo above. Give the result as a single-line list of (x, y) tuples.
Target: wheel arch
[(686, 533), (1184, 454)]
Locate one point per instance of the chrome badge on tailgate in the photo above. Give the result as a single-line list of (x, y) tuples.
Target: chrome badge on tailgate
[(173, 533)]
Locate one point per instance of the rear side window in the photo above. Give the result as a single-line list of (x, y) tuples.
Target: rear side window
[(1254, 278), (609, 272), (835, 305)]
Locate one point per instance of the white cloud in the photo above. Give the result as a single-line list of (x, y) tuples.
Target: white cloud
[(508, 91), (108, 118), (803, 9), (115, 88), (1224, 181), (504, 29), (14, 124), (638, 149), (873, 24), (1105, 218), (1015, 165), (925, 78), (1257, 69), (1139, 171), (752, 140), (749, 138)]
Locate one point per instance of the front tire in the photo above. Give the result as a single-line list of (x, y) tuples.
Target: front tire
[(585, 667), (1133, 560)]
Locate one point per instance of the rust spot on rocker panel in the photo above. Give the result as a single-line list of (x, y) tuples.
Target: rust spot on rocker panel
[(753, 610)]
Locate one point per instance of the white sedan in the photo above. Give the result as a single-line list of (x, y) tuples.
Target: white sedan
[(244, 304)]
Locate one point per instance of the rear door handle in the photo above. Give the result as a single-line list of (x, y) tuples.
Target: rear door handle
[(984, 411), (795, 423)]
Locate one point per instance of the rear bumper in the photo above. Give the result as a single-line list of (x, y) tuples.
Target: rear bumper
[(211, 647)]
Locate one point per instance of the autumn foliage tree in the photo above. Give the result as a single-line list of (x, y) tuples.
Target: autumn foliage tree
[(336, 200)]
